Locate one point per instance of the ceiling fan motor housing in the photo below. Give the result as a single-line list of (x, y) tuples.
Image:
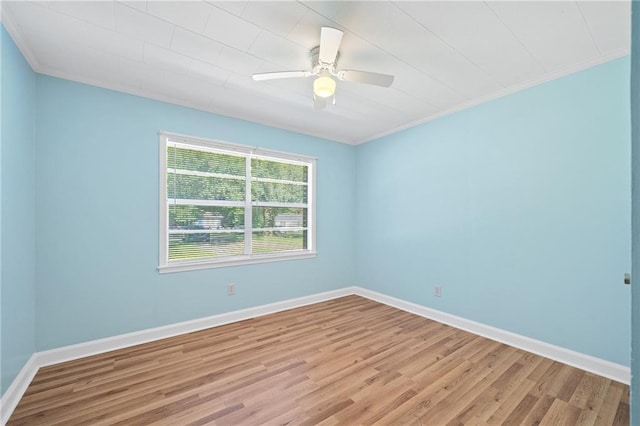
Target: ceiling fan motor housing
[(317, 66)]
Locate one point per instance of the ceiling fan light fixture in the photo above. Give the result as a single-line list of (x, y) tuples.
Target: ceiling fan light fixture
[(324, 86), (324, 58)]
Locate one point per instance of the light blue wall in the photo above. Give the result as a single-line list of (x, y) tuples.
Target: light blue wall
[(635, 150), (17, 214), (97, 217), (519, 208)]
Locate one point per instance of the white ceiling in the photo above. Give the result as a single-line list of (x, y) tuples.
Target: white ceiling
[(445, 55)]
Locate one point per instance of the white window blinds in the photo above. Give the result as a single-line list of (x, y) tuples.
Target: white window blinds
[(225, 203)]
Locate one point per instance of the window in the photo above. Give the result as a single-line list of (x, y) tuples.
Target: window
[(224, 204)]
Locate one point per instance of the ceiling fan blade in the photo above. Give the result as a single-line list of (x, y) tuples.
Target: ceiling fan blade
[(330, 39), (319, 103), (374, 78), (280, 74)]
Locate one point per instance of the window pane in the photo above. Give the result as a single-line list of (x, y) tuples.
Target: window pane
[(270, 242), (278, 192), (276, 170), (207, 218), (277, 217), (204, 187), (205, 161), (279, 239), (207, 201), (203, 245)]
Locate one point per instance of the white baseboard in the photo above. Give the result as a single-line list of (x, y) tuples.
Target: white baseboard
[(12, 396), (589, 363), (17, 388), (601, 367), (94, 347)]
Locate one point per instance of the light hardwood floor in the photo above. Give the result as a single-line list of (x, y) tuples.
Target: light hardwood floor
[(346, 361)]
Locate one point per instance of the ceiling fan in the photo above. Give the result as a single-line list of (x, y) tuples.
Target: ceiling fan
[(323, 67)]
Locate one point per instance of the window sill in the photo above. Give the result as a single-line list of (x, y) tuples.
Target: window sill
[(237, 261)]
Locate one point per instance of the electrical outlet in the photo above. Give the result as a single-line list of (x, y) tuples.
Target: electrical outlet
[(437, 291), (231, 289)]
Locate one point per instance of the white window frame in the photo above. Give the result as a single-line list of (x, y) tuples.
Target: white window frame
[(165, 266)]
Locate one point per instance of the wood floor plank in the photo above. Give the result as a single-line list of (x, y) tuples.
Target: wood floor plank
[(509, 399), (590, 386), (607, 412), (539, 410), (622, 414), (470, 413), (521, 411), (560, 413), (346, 361)]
